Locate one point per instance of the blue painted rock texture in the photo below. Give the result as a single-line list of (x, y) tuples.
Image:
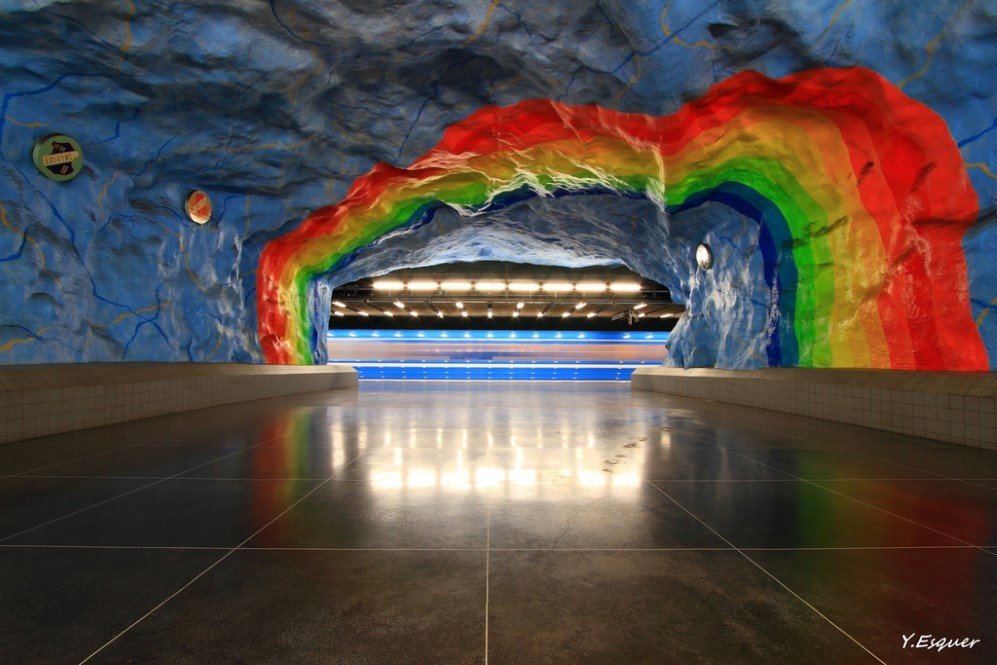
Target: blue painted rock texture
[(274, 108)]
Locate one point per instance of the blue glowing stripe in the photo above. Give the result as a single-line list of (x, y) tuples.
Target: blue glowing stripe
[(532, 364), (531, 336), (573, 370), (507, 373)]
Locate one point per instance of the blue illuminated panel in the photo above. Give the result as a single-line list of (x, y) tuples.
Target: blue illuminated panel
[(496, 355)]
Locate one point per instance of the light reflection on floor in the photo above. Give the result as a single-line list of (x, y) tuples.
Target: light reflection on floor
[(518, 460)]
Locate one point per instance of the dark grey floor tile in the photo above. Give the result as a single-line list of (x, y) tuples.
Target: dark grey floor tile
[(189, 428), (60, 605), (24, 456), (812, 464), (667, 463), (321, 607), (309, 460), (795, 514), (373, 462), (177, 513), (27, 502), (743, 440), (650, 607), (140, 461), (879, 596), (210, 439), (568, 515), (965, 511), (639, 459), (938, 458), (381, 514)]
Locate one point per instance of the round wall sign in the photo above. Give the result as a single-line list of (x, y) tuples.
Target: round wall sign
[(58, 157), (198, 207)]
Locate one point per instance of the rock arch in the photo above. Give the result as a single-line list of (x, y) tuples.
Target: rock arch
[(860, 194)]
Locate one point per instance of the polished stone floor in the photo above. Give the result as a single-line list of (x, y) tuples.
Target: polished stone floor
[(499, 523)]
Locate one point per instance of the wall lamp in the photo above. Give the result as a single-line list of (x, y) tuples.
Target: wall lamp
[(704, 257)]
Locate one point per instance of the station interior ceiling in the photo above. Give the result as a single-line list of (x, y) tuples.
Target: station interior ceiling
[(506, 296)]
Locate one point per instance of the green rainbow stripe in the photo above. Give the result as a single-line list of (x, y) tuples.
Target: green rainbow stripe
[(860, 193)]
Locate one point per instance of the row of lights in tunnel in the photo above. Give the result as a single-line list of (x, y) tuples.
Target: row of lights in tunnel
[(704, 258), (496, 286), (577, 307)]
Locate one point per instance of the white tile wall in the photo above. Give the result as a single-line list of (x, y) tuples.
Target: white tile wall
[(956, 407), (37, 400)]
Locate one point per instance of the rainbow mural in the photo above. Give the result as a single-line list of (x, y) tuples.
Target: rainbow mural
[(860, 193)]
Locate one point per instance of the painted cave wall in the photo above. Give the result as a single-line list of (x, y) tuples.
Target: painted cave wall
[(276, 109)]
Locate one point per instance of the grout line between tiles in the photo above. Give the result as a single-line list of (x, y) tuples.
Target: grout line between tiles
[(858, 501), (144, 442), (21, 474), (773, 577), (117, 496), (488, 548), (212, 566), (650, 480), (873, 457), (492, 549)]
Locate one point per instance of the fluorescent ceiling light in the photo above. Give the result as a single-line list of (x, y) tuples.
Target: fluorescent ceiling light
[(640, 306), (523, 287), (515, 314), (490, 286), (456, 285), (490, 314), (590, 315), (624, 287), (540, 315), (399, 304), (363, 313), (459, 305), (520, 305), (338, 304), (641, 315), (557, 287), (423, 285), (388, 285), (388, 314), (415, 314), (339, 314), (439, 314), (591, 287), (463, 313), (580, 305), (566, 314)]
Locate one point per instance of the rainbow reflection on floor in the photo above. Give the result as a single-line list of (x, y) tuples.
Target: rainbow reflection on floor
[(496, 355)]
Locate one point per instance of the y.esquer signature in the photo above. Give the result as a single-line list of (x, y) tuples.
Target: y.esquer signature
[(939, 643)]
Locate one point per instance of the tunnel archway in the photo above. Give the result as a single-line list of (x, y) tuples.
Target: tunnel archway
[(859, 194)]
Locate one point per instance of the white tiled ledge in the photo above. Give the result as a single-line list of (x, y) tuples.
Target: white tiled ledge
[(38, 400), (956, 407)]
